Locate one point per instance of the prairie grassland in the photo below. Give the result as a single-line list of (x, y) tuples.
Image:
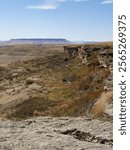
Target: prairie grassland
[(42, 83)]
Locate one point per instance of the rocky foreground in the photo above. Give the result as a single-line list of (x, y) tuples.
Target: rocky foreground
[(56, 134)]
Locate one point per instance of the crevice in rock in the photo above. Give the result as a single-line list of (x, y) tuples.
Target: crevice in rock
[(86, 136)]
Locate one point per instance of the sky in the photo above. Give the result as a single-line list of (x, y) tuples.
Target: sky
[(76, 20)]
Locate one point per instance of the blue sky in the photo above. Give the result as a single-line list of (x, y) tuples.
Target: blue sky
[(88, 20)]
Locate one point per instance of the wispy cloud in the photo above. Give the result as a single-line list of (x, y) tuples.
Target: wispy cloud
[(46, 5), (43, 6), (107, 2), (51, 4)]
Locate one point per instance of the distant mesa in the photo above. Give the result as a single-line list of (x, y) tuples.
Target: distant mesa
[(44, 41), (37, 41)]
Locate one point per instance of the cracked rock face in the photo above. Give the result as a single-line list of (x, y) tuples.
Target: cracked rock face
[(56, 134)]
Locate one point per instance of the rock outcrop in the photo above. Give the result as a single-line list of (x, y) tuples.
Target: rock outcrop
[(56, 134)]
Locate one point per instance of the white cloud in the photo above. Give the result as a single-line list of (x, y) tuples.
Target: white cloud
[(107, 2), (46, 5), (43, 6), (51, 4)]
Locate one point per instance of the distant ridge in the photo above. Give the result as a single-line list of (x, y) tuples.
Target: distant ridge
[(37, 41), (44, 41)]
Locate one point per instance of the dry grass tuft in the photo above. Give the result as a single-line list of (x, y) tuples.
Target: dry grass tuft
[(99, 107)]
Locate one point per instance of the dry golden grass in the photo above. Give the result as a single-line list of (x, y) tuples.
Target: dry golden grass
[(67, 99), (99, 107)]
